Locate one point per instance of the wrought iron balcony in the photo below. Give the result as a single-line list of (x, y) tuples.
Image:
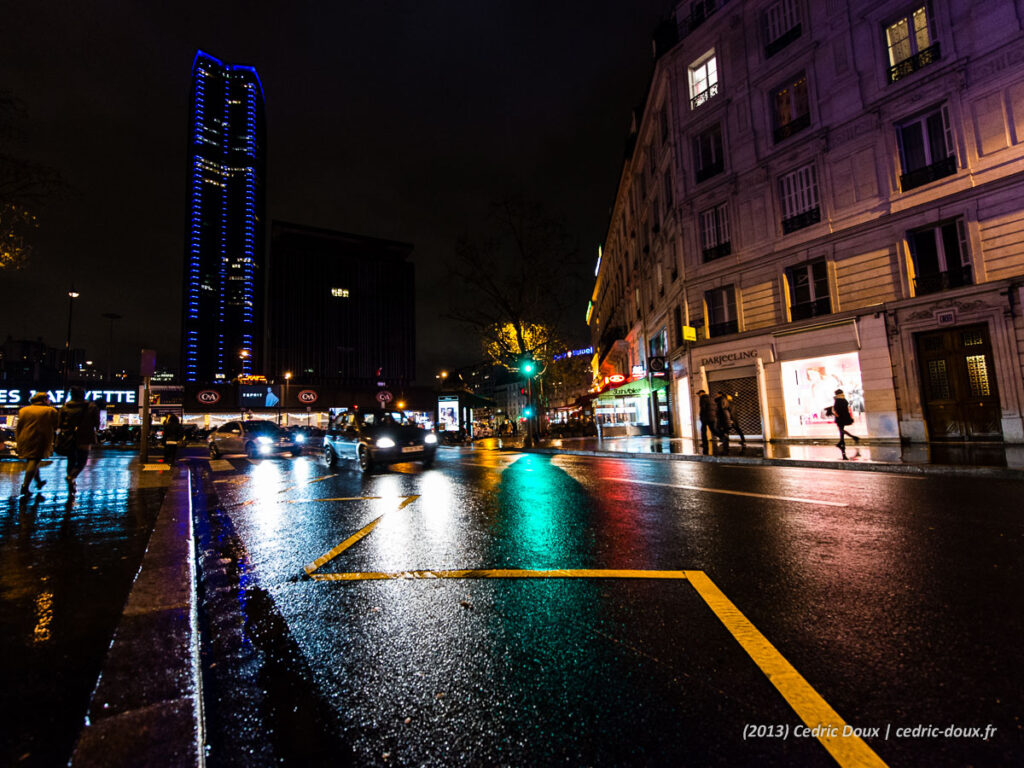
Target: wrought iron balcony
[(921, 176), (913, 63), (707, 171), (723, 329), (811, 309), (782, 41), (795, 125), (704, 96), (717, 251), (801, 220), (943, 281)]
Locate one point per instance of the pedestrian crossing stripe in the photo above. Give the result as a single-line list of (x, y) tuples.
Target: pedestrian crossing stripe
[(848, 751)]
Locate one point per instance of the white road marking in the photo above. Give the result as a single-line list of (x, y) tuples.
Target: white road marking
[(732, 493)]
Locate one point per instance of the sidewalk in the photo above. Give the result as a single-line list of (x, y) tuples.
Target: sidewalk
[(986, 459)]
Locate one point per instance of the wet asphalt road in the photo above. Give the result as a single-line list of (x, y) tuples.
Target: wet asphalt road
[(896, 598)]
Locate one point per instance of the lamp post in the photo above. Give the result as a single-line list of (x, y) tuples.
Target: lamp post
[(72, 295), (284, 395)]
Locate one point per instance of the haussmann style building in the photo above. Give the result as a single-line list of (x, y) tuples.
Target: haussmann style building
[(830, 195)]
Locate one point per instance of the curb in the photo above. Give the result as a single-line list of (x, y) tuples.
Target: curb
[(146, 708), (853, 466)]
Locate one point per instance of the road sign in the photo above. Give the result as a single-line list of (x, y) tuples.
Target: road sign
[(384, 397)]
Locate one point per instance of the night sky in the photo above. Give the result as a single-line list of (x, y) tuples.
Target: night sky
[(400, 120)]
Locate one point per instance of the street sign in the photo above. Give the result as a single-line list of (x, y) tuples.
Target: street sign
[(384, 397), (689, 333)]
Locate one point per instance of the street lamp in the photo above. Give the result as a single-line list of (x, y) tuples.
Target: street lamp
[(284, 397), (72, 295)]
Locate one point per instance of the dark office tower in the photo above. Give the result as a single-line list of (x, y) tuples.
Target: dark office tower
[(222, 317), (340, 308)]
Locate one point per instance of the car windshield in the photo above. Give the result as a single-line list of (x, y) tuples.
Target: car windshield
[(384, 419)]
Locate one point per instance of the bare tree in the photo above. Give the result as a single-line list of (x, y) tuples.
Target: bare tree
[(24, 187), (514, 282)]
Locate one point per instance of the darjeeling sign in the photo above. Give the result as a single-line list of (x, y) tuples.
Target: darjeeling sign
[(21, 397)]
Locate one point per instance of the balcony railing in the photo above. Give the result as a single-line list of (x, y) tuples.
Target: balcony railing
[(808, 309), (942, 281), (704, 96), (717, 251), (707, 171), (795, 125), (921, 176), (801, 220), (782, 41), (913, 63), (723, 329)]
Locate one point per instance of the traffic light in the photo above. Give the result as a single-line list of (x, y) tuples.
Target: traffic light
[(528, 366), (522, 390), (528, 412)]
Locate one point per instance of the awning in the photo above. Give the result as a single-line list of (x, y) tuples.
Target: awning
[(636, 388)]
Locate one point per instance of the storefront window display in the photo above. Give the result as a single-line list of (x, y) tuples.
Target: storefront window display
[(809, 386)]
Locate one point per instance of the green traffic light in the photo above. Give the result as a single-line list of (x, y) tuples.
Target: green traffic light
[(527, 366), (527, 412)]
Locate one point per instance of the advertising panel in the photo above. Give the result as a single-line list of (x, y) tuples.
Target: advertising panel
[(257, 396), (808, 387), (448, 413)]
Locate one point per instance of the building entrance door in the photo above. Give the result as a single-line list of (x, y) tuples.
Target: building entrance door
[(958, 384)]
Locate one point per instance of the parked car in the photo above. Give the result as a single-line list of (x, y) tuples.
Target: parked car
[(8, 445), (378, 438), (253, 438)]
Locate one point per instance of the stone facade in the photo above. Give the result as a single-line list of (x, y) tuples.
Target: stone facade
[(835, 190)]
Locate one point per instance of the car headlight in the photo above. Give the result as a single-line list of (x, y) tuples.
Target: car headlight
[(430, 439), (264, 440), (300, 438), (265, 448), (385, 442)]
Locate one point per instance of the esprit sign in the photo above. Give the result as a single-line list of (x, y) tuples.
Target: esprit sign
[(58, 396), (307, 396)]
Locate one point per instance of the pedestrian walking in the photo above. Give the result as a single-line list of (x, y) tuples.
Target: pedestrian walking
[(840, 409), (706, 409), (37, 424), (174, 435), (729, 407), (79, 420), (723, 419)]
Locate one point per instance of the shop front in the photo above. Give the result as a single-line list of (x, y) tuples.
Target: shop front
[(814, 361), (737, 370), (625, 410)]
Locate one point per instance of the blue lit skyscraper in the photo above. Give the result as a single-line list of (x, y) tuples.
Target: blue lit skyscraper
[(222, 313)]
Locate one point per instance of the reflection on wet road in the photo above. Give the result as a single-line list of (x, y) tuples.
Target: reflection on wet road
[(521, 609)]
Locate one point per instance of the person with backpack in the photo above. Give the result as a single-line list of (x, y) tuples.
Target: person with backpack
[(79, 420)]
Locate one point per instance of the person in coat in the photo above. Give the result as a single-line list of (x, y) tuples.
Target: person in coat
[(841, 411), (728, 406), (174, 435), (723, 419), (706, 409), (37, 423), (80, 419)]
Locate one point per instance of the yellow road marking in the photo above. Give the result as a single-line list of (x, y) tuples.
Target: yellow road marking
[(308, 482), (501, 573), (732, 493), (339, 498), (848, 751), (355, 537)]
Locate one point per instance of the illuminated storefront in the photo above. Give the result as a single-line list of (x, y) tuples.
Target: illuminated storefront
[(809, 387), (625, 409)]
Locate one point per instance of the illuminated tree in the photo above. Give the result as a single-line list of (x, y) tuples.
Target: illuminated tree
[(24, 186), (514, 283)]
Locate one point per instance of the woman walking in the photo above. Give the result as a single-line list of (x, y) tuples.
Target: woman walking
[(37, 423), (174, 433), (841, 410)]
